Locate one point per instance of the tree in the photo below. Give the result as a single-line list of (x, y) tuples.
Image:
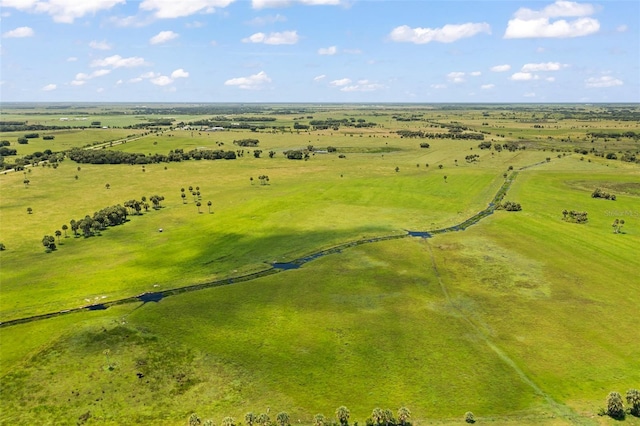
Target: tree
[(209, 205), (106, 185), (64, 228), (208, 422), (26, 183), (318, 420), (194, 420), (198, 204), (74, 227), (2, 247), (250, 418), (469, 418), (377, 415), (263, 419), (403, 415), (29, 210), (633, 399), (615, 407), (397, 169), (440, 166), (342, 414), (58, 235), (184, 198), (228, 421), (445, 178), (251, 180), (283, 418), (387, 417), (49, 243)]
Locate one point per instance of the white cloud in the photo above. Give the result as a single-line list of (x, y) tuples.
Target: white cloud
[(604, 81), (475, 73), (447, 34), (72, 59), (213, 43), (253, 82), (78, 82), (528, 23), (100, 45), (179, 73), (622, 28), (64, 11), (163, 37), (117, 61), (362, 86), (487, 86), (548, 66), (456, 77), (130, 21), (119, 82), (267, 20), (524, 76), (164, 9), (149, 74), (352, 51), (501, 68), (82, 78), (162, 80), (319, 77), (332, 50), (285, 37), (550, 79), (341, 82), (265, 4), (438, 86), (49, 87), (100, 73), (20, 32)]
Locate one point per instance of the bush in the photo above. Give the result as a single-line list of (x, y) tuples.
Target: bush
[(23, 141), (469, 418), (615, 407)]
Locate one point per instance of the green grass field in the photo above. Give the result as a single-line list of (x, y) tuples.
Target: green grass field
[(522, 318)]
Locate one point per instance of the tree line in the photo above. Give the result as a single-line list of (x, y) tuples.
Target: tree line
[(118, 157)]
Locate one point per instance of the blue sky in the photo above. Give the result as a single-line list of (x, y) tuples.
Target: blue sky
[(319, 51)]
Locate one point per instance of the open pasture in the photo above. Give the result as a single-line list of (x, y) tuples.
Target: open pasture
[(523, 318)]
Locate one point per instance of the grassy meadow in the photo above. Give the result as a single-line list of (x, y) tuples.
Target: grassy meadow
[(523, 318)]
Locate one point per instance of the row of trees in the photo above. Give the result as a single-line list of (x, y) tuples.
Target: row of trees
[(599, 193), (509, 206), (615, 406), (379, 417), (118, 157), (574, 216)]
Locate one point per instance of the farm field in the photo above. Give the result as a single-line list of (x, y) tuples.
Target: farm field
[(521, 318)]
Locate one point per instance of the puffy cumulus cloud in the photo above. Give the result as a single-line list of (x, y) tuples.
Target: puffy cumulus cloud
[(165, 9), (603, 81), (163, 37), (456, 77), (162, 80), (265, 4), (362, 86), (253, 82), (331, 50), (487, 86), (20, 32), (63, 11), (547, 66), (524, 76), (527, 23), (341, 82), (49, 87), (117, 61), (447, 34), (285, 37), (501, 68), (179, 73)]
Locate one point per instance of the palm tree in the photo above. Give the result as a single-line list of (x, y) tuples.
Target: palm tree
[(249, 418), (184, 198), (64, 228), (29, 210), (388, 417), (251, 180), (342, 414), (58, 235), (198, 204), (633, 399), (263, 419), (615, 407), (283, 418), (190, 188), (318, 420), (228, 421), (403, 415), (194, 420), (106, 185), (377, 416), (209, 205), (26, 182)]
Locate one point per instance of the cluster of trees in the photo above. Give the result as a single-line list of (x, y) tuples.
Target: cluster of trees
[(509, 206), (118, 157), (574, 216), (296, 154), (379, 417), (599, 193), (334, 124), (614, 135), (485, 145), (617, 225), (411, 133), (246, 142), (472, 158), (615, 405)]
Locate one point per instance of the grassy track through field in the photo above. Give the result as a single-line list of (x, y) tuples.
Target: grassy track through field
[(278, 267), (560, 410)]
